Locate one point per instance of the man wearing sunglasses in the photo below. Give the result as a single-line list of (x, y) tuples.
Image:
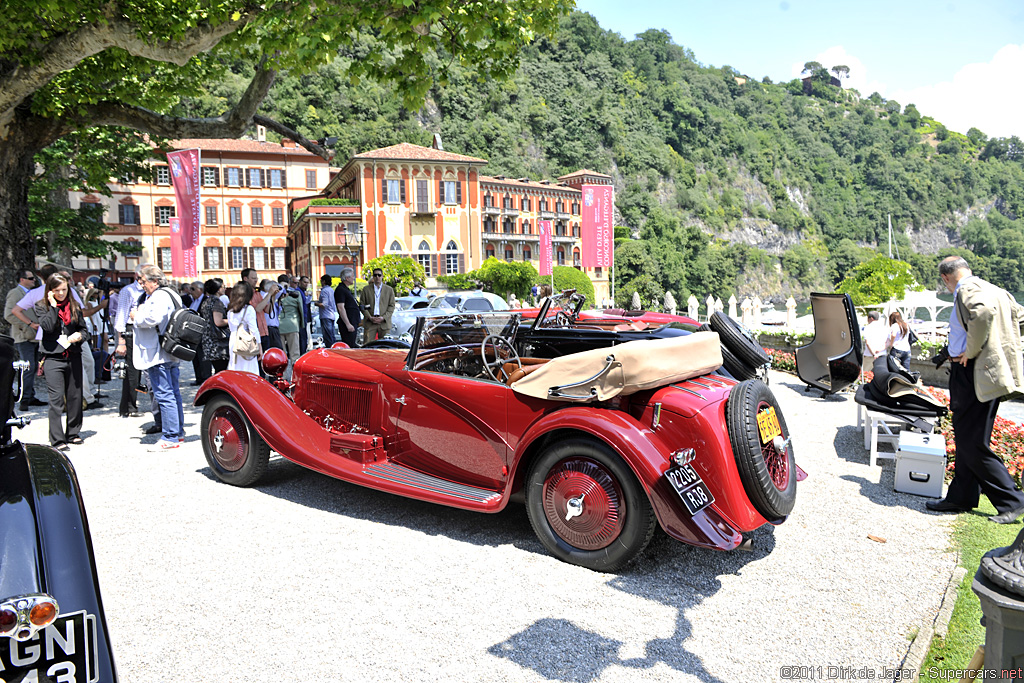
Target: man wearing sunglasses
[(24, 337), (377, 302)]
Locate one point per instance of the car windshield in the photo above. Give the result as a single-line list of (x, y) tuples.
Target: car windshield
[(453, 343), (559, 309)]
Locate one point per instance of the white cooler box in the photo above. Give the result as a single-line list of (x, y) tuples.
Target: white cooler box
[(920, 464)]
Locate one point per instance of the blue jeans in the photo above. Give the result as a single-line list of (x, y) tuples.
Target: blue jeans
[(327, 325), (163, 381)]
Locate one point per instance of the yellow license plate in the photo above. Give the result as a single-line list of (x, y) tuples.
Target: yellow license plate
[(768, 425)]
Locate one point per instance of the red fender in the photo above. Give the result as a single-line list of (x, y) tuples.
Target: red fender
[(264, 405), (648, 456)]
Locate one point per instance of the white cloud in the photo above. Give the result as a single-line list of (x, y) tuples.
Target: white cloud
[(858, 78), (985, 96)]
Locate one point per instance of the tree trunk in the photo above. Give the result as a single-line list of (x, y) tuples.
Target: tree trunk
[(26, 135), (59, 251)]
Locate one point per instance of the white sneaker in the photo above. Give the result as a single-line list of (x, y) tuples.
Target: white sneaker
[(163, 445)]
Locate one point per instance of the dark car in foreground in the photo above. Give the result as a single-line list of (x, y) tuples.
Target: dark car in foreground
[(52, 624), (602, 445)]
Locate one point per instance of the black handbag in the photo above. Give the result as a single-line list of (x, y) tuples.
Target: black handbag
[(911, 336)]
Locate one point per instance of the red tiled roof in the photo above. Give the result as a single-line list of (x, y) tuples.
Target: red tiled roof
[(583, 171), (407, 151), (514, 183), (225, 145)]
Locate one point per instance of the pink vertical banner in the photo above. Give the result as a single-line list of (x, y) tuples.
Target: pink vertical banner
[(544, 227), (596, 228), (185, 172), (177, 249)]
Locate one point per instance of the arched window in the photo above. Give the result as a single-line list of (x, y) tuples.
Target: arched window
[(527, 254), (489, 251), (509, 254), (527, 230), (453, 262), (395, 246), (561, 256), (423, 258)]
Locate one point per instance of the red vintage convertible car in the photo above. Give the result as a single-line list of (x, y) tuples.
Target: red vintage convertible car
[(601, 444)]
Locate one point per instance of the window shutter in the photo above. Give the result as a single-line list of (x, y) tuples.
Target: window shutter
[(403, 191), (462, 263), (206, 258), (220, 260), (216, 176), (440, 192), (246, 259), (384, 190), (120, 214), (437, 264), (458, 192)]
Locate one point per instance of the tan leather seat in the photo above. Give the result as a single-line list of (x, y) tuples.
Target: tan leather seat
[(518, 373)]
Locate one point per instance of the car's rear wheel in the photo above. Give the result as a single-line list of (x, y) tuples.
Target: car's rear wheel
[(587, 507), (767, 469), (236, 453)]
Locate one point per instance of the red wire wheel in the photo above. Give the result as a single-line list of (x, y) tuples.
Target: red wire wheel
[(229, 437), (585, 492), (236, 453), (766, 472), (586, 505), (776, 462)]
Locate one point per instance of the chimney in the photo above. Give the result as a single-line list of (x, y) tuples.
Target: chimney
[(287, 142), (524, 180), (261, 133), (438, 145)]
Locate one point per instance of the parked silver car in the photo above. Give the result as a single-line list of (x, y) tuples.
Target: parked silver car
[(404, 319)]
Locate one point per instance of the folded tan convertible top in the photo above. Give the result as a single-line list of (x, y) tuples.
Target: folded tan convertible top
[(600, 374)]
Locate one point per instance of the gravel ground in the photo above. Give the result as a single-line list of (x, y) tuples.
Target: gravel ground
[(304, 578)]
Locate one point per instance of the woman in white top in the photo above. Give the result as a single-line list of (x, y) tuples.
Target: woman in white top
[(241, 314), (898, 343)]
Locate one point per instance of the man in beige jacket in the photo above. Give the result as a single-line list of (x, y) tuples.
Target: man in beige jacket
[(25, 336), (986, 366)]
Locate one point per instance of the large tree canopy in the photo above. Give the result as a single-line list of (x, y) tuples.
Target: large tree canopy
[(67, 66)]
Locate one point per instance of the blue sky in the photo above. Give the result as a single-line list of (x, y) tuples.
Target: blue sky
[(960, 62)]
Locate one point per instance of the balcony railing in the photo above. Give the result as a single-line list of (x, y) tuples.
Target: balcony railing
[(561, 216), (492, 210), (338, 239), (563, 238), (546, 215), (510, 237)]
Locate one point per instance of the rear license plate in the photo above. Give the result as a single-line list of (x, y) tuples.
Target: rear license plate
[(768, 425), (691, 488), (63, 651)]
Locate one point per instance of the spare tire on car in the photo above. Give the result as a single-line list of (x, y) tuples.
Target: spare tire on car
[(738, 340), (761, 445)]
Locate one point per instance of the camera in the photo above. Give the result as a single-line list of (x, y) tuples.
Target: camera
[(941, 357), (119, 369)]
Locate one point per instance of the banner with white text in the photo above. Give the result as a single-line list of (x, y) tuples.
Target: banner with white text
[(185, 170), (544, 227), (597, 226)]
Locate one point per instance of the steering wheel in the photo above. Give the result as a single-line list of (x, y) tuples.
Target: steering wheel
[(496, 366), (560, 319)]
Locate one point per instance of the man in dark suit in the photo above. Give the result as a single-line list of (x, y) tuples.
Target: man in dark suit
[(377, 301)]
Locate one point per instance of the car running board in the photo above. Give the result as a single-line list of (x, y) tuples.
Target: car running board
[(442, 489)]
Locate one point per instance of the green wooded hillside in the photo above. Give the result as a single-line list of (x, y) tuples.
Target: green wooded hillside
[(728, 184)]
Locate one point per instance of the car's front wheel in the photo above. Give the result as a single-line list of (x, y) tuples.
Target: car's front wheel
[(587, 507), (237, 454)]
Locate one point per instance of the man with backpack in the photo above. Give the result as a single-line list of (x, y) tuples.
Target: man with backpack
[(150, 320)]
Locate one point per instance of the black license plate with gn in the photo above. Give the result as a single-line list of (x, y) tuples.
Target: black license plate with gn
[(691, 488), (63, 651)]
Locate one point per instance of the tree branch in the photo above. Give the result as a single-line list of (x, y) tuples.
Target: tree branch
[(284, 130), (230, 124), (67, 51)]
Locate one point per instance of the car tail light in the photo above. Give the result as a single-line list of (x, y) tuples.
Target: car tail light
[(42, 613), (8, 620), (22, 616)]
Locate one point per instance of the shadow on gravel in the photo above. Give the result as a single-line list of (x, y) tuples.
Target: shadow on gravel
[(296, 484), (814, 394), (675, 575)]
